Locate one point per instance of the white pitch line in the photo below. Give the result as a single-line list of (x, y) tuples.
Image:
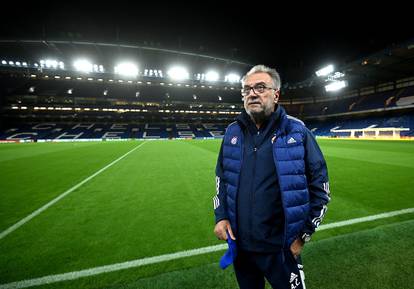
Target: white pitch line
[(168, 257), (365, 219), (61, 196)]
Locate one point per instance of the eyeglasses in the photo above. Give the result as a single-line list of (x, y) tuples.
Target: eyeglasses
[(258, 88)]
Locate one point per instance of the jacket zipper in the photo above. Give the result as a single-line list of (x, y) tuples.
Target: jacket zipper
[(252, 190)]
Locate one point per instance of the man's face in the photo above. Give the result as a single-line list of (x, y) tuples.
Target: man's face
[(256, 103)]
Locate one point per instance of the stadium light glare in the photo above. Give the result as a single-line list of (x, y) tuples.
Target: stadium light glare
[(51, 63), (334, 86), (127, 69), (232, 77), (325, 70), (212, 76), (178, 73), (4, 62), (83, 65)]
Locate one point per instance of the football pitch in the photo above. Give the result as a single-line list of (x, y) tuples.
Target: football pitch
[(125, 215)]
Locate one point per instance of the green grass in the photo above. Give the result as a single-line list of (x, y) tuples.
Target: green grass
[(346, 261), (158, 200)]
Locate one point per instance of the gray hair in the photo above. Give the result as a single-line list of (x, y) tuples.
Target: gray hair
[(263, 68)]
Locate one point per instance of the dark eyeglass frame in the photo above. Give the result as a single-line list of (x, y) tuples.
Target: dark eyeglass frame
[(257, 89)]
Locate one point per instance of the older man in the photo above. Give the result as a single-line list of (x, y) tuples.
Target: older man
[(272, 187)]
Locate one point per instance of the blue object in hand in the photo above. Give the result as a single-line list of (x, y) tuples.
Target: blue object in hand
[(230, 254)]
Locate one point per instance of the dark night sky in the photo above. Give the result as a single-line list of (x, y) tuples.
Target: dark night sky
[(296, 40)]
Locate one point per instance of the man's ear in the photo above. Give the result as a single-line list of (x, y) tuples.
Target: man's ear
[(276, 97)]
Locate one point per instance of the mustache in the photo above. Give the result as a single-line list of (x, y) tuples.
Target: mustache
[(255, 101)]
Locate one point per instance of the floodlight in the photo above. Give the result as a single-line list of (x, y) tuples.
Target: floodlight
[(212, 76), (83, 65), (325, 71), (178, 73), (337, 85), (126, 69), (50, 63), (232, 77)]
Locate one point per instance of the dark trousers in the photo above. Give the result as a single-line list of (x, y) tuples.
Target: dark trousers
[(280, 269)]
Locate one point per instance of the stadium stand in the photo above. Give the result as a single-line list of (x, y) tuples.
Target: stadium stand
[(47, 102)]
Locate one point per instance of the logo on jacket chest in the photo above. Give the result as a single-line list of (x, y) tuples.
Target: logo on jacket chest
[(291, 141), (233, 140)]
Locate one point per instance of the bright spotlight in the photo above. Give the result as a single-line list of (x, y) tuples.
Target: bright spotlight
[(325, 71), (232, 77), (178, 73), (83, 65), (51, 63), (212, 76), (126, 69), (337, 85)]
